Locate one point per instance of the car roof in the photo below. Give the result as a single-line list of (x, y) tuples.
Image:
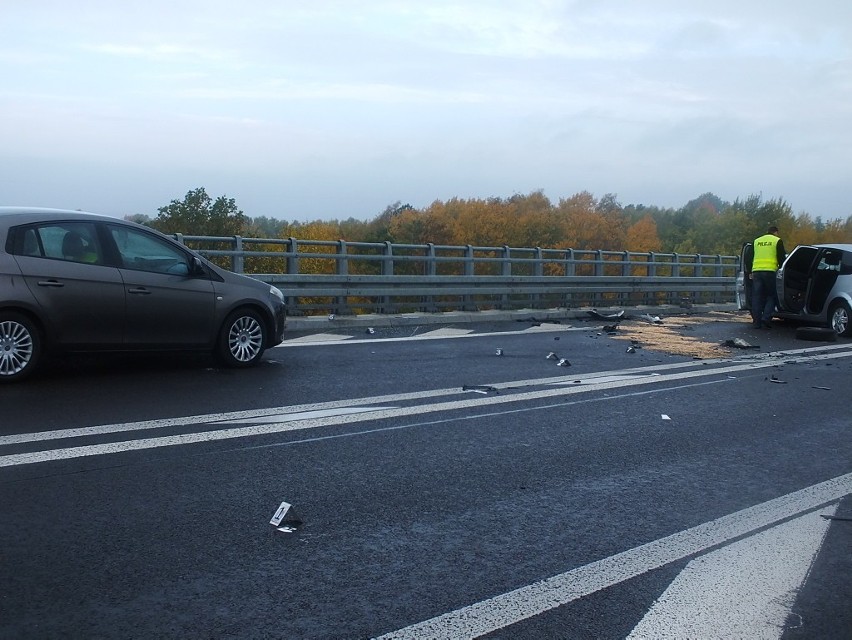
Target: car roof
[(10, 216), (842, 247)]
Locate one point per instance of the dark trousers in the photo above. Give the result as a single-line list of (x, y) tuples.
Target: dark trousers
[(764, 297)]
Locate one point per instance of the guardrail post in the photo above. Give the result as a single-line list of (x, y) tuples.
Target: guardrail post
[(237, 260), (293, 255), (387, 270), (468, 271), (506, 271), (431, 262), (431, 270), (570, 263), (342, 268), (538, 271)]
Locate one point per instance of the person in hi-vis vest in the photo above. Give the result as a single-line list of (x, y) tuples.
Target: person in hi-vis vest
[(768, 255)]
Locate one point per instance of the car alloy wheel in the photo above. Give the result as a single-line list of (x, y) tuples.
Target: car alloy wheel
[(20, 347), (243, 339), (840, 319)]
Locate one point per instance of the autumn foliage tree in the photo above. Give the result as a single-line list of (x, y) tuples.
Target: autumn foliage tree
[(705, 225)]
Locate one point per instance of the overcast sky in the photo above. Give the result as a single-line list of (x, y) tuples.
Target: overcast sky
[(329, 109)]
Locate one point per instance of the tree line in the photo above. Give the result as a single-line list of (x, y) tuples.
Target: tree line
[(706, 225)]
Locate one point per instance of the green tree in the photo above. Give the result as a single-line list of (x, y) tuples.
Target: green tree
[(199, 215)]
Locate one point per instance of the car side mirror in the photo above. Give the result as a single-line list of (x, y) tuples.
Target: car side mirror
[(196, 267)]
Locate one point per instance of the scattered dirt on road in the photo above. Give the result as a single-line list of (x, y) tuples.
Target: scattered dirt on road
[(675, 334)]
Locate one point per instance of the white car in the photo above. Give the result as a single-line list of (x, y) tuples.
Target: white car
[(814, 285)]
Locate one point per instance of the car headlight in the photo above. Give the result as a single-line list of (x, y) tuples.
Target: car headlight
[(275, 292)]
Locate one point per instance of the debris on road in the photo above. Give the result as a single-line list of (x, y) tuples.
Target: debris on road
[(651, 319), (285, 519), (563, 363), (823, 388), (772, 378), (606, 316), (739, 343), (479, 388), (499, 352), (552, 356)]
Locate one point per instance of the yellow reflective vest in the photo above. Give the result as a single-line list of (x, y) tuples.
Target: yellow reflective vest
[(765, 253)]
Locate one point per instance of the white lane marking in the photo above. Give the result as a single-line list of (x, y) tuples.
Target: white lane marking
[(302, 415), (252, 413), (446, 332), (281, 427), (799, 355), (608, 378), (744, 590), (319, 337), (429, 336), (67, 453), (509, 608)]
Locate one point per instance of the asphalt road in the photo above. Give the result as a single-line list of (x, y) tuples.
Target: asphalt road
[(437, 489)]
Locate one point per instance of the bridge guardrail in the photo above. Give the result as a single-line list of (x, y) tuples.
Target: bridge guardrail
[(384, 277)]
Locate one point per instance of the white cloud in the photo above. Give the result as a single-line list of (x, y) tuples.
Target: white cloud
[(411, 97)]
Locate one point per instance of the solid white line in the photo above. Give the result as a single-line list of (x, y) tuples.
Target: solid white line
[(744, 590), (454, 405), (590, 378), (509, 608)]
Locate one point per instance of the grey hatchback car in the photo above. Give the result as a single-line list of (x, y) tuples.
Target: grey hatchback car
[(73, 281), (814, 285)]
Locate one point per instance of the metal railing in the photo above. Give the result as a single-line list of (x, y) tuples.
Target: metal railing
[(362, 277)]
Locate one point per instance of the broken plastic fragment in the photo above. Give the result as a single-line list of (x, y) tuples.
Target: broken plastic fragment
[(563, 363), (478, 388), (739, 343), (606, 316)]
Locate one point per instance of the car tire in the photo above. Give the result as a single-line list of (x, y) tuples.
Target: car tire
[(840, 319), (816, 334), (20, 347), (242, 339)]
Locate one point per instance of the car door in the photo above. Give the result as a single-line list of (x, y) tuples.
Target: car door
[(744, 283), (166, 304), (80, 294), (794, 278), (825, 270)]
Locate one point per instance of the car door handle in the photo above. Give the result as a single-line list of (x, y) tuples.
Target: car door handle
[(142, 291), (50, 283)]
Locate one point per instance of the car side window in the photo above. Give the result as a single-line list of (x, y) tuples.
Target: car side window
[(145, 252), (71, 241), (829, 261)]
